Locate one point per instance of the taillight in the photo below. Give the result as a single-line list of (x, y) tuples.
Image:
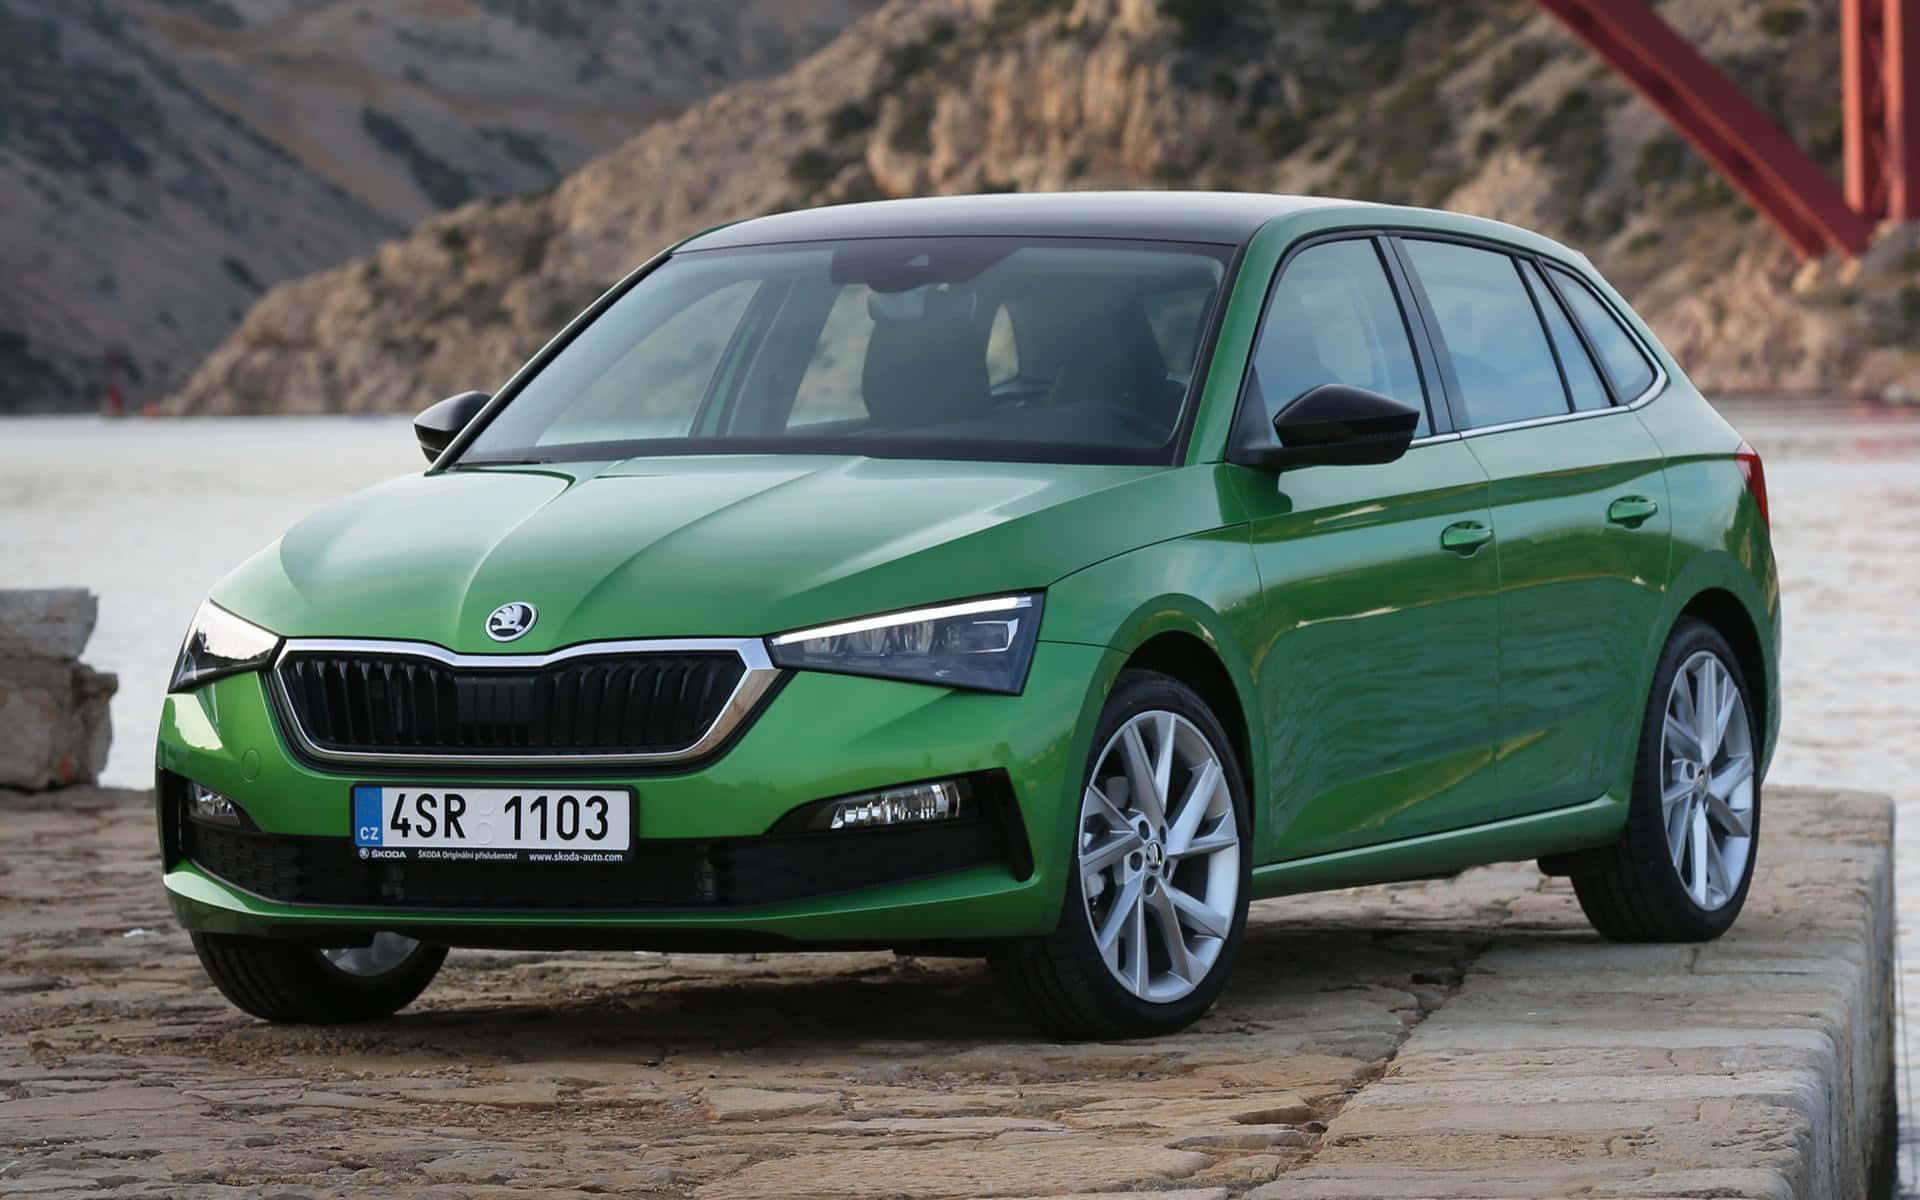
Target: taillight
[(1755, 473)]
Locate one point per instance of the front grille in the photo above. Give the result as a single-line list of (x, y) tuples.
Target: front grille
[(670, 874), (385, 703)]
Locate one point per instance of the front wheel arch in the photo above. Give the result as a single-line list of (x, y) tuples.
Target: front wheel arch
[(1192, 660)]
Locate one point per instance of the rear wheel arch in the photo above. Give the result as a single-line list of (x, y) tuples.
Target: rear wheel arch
[(1728, 617)]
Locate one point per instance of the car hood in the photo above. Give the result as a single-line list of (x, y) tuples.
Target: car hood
[(698, 546)]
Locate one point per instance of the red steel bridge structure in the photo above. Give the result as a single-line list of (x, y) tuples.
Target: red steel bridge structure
[(1880, 82)]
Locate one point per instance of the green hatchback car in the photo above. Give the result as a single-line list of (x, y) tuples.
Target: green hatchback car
[(1040, 577)]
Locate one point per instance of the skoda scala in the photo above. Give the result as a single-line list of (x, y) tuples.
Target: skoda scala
[(1037, 577)]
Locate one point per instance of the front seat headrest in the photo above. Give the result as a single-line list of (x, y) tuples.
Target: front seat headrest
[(927, 370)]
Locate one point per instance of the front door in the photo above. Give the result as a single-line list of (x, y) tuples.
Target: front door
[(1377, 676)]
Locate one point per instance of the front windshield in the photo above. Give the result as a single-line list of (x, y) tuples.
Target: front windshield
[(1018, 349)]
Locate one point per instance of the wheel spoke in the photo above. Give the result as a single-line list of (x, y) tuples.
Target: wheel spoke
[(1706, 707), (1718, 886), (1679, 822), (1096, 859), (1163, 763), (1110, 953), (1197, 914), (1140, 773), (1697, 885), (1675, 793), (1178, 961), (1125, 904), (1193, 808), (1137, 948), (1108, 809), (1732, 773), (1683, 740), (1729, 699), (1726, 816), (1222, 838), (1680, 703)]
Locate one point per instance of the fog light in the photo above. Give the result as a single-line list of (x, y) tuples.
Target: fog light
[(914, 804), (205, 804)]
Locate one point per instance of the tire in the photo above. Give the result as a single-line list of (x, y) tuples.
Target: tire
[(1069, 987), (290, 982), (1643, 889)]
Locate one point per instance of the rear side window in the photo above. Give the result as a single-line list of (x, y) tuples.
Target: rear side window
[(1333, 318), (1626, 364), (1583, 379), (1500, 355)]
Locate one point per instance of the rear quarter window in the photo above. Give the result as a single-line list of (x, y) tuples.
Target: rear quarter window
[(1583, 379), (1626, 364)]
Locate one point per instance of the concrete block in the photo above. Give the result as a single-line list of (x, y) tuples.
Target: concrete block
[(46, 623), (54, 724)]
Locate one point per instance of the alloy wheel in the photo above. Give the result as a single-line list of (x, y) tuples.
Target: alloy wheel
[(1159, 856), (1706, 780), (385, 952)]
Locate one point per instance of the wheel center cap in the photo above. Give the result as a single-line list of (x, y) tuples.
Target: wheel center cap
[(1156, 857), (1700, 784)]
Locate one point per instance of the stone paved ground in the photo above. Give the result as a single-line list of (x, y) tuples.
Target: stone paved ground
[(1459, 1038)]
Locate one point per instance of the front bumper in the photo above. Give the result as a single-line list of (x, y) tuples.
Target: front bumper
[(705, 872)]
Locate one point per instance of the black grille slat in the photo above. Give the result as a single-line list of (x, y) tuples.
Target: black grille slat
[(350, 701), (354, 709)]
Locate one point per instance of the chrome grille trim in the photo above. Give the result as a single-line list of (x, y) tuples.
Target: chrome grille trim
[(759, 676)]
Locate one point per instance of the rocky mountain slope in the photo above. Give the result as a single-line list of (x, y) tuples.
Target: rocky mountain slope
[(163, 162), (1482, 105)]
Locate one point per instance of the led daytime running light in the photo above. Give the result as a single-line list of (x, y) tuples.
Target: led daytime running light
[(966, 608)]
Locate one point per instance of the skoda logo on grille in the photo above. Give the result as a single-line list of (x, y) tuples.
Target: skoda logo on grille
[(510, 621)]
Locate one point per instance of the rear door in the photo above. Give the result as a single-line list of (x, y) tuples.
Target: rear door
[(1377, 676), (1579, 510)]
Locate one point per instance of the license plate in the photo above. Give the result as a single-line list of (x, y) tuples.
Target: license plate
[(466, 824)]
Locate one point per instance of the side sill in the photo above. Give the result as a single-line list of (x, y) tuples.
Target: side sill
[(1579, 827)]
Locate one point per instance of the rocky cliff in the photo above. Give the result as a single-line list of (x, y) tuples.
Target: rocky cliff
[(163, 162), (1481, 105)]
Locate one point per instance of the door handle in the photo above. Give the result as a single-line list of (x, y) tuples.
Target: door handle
[(1631, 510), (1464, 537)]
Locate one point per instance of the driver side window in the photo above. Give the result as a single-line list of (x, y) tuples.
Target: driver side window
[(1333, 318)]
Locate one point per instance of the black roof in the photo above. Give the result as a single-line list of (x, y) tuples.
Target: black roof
[(1226, 218)]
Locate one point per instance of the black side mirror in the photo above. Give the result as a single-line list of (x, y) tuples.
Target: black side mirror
[(438, 426), (1334, 424)]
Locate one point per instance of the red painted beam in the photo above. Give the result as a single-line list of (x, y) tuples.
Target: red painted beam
[(1863, 103), (1901, 88), (1728, 129)]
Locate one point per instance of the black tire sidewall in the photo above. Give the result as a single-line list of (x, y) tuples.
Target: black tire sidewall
[(1646, 830), (292, 982), (1136, 692)]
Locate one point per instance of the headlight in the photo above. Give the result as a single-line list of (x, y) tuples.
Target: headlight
[(219, 643), (984, 644)]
